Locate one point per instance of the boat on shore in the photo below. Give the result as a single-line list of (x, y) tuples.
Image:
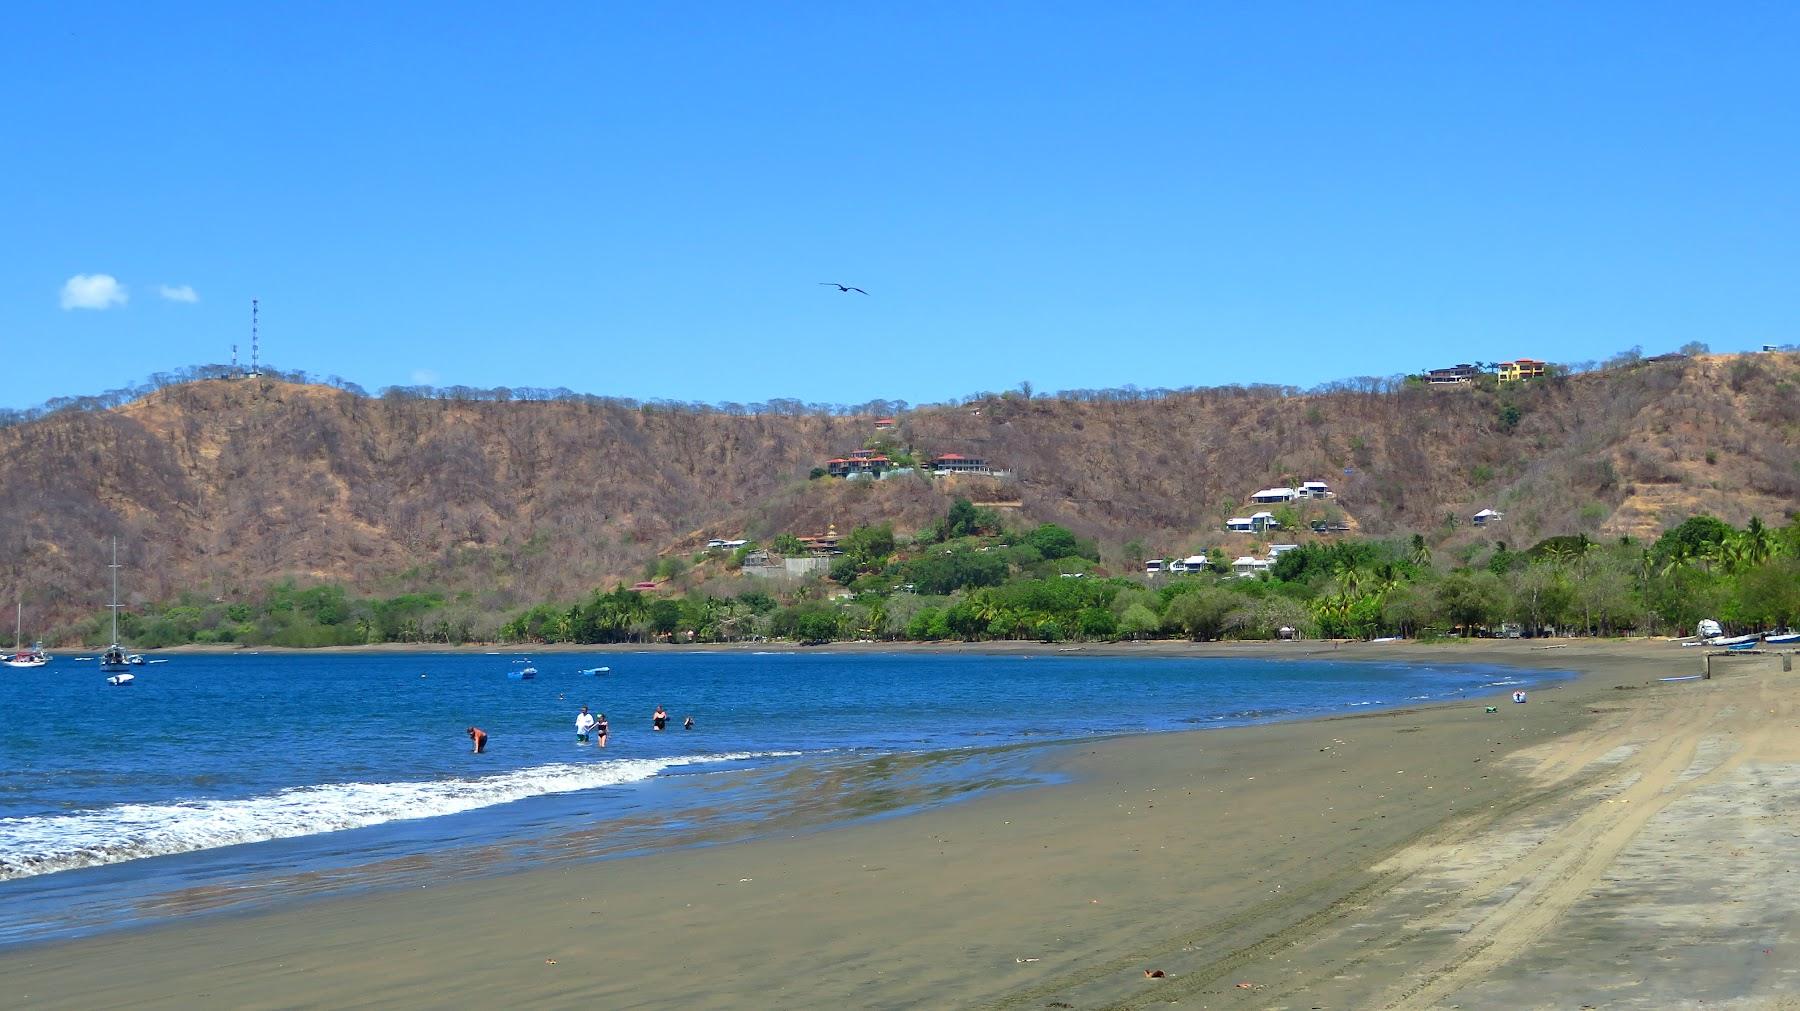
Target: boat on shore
[(1782, 638)]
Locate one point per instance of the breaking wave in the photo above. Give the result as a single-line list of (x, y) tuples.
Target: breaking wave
[(47, 844)]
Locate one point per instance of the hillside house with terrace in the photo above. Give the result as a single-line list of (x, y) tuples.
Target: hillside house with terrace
[(1315, 489), (956, 463), (884, 424), (822, 544), (1255, 523), (1455, 375), (1270, 496), (1522, 369), (863, 462), (1248, 566)]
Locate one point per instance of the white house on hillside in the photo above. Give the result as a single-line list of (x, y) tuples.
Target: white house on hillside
[(1315, 489), (1486, 516), (1247, 566), (1239, 524), (1272, 495)]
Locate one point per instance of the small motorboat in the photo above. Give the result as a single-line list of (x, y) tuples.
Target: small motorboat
[(1740, 646), (1781, 638), (135, 659), (596, 671), (522, 674), (121, 680)]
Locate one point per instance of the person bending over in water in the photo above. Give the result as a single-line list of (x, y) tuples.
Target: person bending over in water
[(600, 729), (478, 738), (660, 719), (687, 723)]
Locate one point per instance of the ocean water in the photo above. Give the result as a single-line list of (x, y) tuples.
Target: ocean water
[(222, 783)]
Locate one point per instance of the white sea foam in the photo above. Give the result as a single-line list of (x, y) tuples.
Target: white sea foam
[(44, 845)]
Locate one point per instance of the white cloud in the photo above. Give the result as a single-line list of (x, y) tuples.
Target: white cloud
[(178, 292), (93, 291), (424, 377)]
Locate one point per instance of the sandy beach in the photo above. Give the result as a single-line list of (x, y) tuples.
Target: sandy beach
[(1618, 841)]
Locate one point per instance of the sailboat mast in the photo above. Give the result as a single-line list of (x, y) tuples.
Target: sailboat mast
[(19, 625), (115, 598)]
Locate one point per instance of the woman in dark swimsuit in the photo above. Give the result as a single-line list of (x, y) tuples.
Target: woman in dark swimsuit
[(600, 730), (660, 720)]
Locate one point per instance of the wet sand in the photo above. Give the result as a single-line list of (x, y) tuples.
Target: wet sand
[(1615, 842)]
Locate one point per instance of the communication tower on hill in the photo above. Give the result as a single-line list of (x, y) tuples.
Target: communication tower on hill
[(255, 347)]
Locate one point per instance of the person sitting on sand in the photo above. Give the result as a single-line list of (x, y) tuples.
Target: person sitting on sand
[(478, 737), (660, 719), (687, 723)]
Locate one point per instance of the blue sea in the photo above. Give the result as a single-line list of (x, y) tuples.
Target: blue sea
[(226, 783)]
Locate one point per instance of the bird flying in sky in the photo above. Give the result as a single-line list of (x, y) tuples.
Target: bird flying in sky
[(843, 287)]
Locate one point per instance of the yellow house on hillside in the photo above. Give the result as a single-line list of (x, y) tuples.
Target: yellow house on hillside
[(1524, 368)]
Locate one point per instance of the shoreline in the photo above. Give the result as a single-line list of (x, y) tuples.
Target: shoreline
[(1198, 852), (1257, 648)]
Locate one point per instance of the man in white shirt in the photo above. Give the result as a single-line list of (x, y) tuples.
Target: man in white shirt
[(583, 724)]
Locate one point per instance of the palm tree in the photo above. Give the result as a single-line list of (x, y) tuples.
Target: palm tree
[(1681, 555), (1421, 552), (1758, 545), (987, 606)]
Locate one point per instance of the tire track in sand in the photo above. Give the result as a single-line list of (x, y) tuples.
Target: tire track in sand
[(1575, 859)]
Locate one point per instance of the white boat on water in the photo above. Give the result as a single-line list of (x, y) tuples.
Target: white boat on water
[(22, 657), (121, 680)]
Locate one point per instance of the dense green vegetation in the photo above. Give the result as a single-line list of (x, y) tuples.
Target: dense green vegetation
[(288, 615), (971, 577)]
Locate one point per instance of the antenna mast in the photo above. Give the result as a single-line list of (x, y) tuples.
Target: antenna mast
[(255, 346)]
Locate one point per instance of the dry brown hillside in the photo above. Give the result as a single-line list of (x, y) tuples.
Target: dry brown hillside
[(217, 485)]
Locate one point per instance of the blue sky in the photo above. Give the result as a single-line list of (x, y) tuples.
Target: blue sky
[(638, 200)]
